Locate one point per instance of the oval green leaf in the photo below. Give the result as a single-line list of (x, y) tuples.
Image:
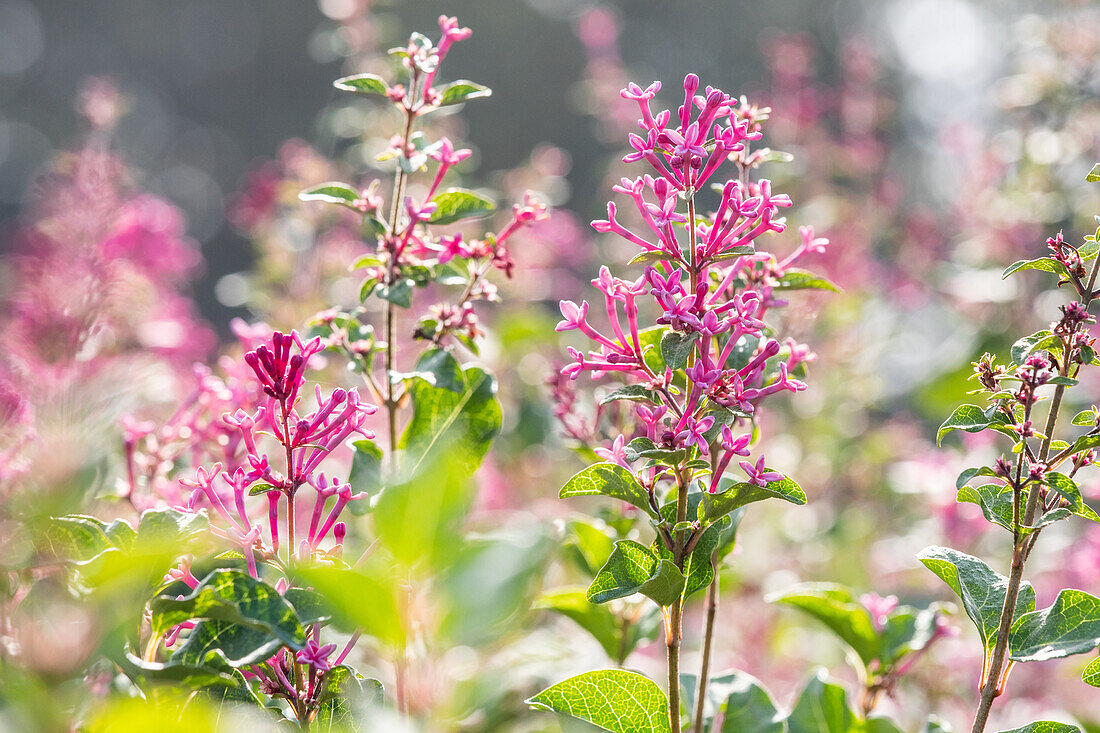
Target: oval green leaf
[(614, 699)]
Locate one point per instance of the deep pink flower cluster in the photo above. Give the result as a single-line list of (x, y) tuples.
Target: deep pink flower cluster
[(712, 296), (305, 440)]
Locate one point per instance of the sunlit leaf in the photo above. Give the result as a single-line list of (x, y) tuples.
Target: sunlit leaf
[(460, 91), (233, 596), (633, 568), (836, 607), (981, 589), (1071, 625), (362, 84), (614, 699), (822, 707), (608, 479), (739, 494), (456, 204)]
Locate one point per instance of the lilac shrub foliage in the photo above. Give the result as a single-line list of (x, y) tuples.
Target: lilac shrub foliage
[(1034, 486)]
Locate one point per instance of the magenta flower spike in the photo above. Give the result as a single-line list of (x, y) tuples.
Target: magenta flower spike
[(706, 360)]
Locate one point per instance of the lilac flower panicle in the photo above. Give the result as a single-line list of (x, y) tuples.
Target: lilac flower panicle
[(713, 286)]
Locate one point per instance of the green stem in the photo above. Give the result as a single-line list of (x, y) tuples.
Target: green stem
[(708, 638), (674, 613), (693, 266), (392, 397), (284, 408), (672, 641)]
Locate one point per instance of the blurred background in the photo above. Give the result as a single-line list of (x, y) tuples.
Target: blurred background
[(212, 86), (934, 142)]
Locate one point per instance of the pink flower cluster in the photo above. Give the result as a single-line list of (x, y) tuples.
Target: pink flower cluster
[(97, 270), (712, 298), (305, 440)]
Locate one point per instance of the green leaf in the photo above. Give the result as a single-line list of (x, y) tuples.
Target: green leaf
[(1045, 726), (369, 260), (795, 279), (367, 288), (186, 676), (241, 693), (644, 448), (593, 545), (1039, 341), (1068, 490), (733, 252), (456, 204), (970, 418), (1085, 418), (747, 706), (439, 368), (505, 567), (1085, 442), (821, 708), (650, 341), (309, 606), (836, 607), (632, 392), (970, 473), (458, 424), (908, 630), (936, 725), (121, 534), (631, 569), (722, 416), (742, 351), (608, 479), (1044, 264), (261, 488), (460, 91), (614, 699), (981, 589), (420, 519), (1070, 626), (1091, 673), (879, 725), (995, 500), (699, 566), (219, 644), (1093, 175), (399, 293), (597, 620), (373, 228), (742, 493), (337, 690), (676, 347), (235, 597), (767, 155), (332, 192), (362, 84), (651, 256), (365, 473), (75, 537), (169, 527), (362, 599)]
